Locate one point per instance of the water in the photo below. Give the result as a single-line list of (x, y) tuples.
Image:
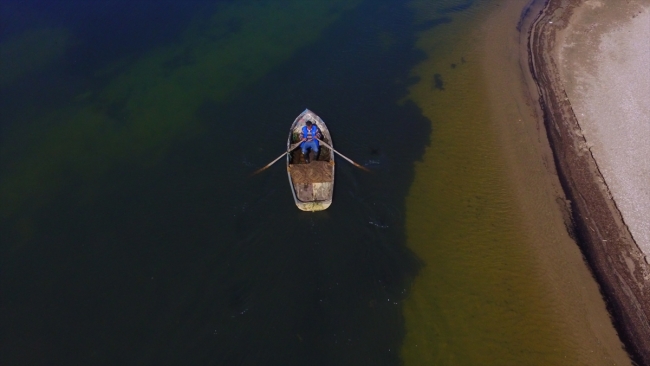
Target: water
[(132, 231), (502, 281)]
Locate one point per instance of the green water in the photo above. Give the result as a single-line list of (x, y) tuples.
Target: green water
[(148, 105)]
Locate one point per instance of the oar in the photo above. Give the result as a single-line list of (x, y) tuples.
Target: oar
[(278, 158), (343, 156)]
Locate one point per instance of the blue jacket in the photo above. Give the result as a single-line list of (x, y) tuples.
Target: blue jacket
[(310, 134)]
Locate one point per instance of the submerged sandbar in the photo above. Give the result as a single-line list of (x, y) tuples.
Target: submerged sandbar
[(502, 281)]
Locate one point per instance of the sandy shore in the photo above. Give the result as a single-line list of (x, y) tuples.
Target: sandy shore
[(604, 56), (589, 60)]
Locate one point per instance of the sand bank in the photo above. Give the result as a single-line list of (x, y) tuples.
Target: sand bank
[(604, 58), (590, 62)]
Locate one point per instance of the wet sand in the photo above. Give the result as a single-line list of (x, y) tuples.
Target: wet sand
[(589, 60)]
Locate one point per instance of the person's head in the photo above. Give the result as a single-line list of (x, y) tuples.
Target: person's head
[(308, 124)]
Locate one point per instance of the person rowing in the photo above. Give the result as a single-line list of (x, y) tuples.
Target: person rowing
[(309, 137)]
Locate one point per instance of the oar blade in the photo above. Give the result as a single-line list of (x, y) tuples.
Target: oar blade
[(345, 157), (258, 171), (269, 164), (363, 168), (293, 147)]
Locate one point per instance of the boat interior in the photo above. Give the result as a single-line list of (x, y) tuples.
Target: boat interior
[(296, 156), (312, 181)]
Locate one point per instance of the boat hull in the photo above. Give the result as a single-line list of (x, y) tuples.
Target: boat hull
[(312, 184)]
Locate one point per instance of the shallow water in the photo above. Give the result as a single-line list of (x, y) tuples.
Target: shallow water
[(133, 232), (502, 281), (479, 285)]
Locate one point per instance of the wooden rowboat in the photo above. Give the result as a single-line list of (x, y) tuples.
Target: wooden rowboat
[(312, 184)]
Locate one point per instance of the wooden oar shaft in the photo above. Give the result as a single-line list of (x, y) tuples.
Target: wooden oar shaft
[(269, 164), (293, 147), (343, 156)]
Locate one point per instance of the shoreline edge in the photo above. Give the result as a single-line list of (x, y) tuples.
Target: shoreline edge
[(616, 260)]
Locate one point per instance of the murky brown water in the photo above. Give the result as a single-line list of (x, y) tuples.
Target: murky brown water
[(503, 283)]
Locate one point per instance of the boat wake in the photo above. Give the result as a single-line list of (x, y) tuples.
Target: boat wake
[(377, 162), (246, 162), (379, 214), (378, 224)]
